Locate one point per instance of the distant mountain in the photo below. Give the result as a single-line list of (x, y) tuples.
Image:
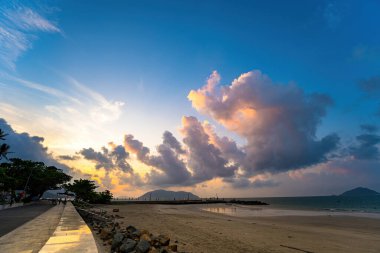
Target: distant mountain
[(168, 195), (360, 191)]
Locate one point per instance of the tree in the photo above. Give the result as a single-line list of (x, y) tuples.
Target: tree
[(33, 177), (85, 190), (4, 148), (104, 197)]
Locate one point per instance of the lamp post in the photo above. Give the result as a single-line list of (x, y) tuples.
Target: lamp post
[(27, 181)]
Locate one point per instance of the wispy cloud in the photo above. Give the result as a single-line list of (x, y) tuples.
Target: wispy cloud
[(19, 26), (68, 116)]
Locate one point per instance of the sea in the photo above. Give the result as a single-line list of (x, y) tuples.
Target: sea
[(362, 206)]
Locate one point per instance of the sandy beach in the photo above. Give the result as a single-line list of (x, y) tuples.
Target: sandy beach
[(197, 230)]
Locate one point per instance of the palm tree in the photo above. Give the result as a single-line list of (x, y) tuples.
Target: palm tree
[(4, 147), (2, 135)]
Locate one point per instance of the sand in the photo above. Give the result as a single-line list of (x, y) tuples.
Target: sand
[(197, 230)]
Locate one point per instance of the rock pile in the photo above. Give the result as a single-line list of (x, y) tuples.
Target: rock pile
[(125, 239)]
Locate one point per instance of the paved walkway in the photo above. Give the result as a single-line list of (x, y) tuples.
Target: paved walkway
[(14, 217), (31, 237), (71, 235)]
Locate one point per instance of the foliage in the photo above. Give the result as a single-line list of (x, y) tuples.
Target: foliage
[(85, 190), (104, 197), (4, 148), (34, 177)]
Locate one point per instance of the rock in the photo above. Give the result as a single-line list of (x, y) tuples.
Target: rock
[(127, 246), (131, 229), (163, 250), (163, 240), (136, 234), (155, 241), (153, 250), (173, 247), (117, 240), (143, 246), (105, 234), (145, 237), (144, 231), (115, 210)]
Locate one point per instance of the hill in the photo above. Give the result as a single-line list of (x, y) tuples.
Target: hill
[(360, 191), (168, 195)]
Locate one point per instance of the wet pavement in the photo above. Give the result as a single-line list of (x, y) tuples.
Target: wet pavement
[(71, 235)]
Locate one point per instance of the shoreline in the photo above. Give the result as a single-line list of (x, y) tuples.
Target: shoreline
[(197, 230), (269, 211)]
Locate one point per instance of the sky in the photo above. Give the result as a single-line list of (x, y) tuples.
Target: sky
[(227, 98)]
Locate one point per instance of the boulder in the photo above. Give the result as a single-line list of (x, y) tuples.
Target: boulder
[(105, 234), (127, 246), (136, 234), (145, 237), (117, 240), (131, 229), (143, 246), (164, 240), (115, 210)]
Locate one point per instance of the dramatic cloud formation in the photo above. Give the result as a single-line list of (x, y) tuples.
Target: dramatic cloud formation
[(279, 122), (114, 157), (19, 26), (27, 147), (169, 168), (197, 161), (204, 159)]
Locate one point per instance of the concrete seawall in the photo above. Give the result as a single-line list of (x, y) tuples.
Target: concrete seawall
[(71, 235)]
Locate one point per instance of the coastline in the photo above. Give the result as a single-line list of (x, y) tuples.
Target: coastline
[(268, 211), (197, 230)]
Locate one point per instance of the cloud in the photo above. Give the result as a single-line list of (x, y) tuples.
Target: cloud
[(247, 183), (371, 86), (278, 122), (366, 147), (27, 19), (204, 158), (112, 158), (168, 167), (198, 160), (68, 114), (19, 26), (369, 128), (136, 147), (27, 147), (68, 157), (333, 14)]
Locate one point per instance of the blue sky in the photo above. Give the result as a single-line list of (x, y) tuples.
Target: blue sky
[(132, 64)]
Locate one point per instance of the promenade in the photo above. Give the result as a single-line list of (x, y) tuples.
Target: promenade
[(12, 218), (57, 230)]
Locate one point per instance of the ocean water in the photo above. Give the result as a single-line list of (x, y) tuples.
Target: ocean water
[(366, 206)]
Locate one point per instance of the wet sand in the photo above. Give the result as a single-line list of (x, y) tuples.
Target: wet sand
[(197, 230)]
